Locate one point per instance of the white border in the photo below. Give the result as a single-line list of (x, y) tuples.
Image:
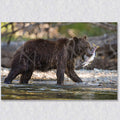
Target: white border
[(64, 11)]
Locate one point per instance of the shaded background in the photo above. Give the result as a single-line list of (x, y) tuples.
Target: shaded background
[(102, 34)]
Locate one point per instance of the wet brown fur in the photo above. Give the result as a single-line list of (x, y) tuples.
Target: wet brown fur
[(45, 55)]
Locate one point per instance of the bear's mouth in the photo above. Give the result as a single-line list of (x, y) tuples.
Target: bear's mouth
[(89, 59), (90, 52)]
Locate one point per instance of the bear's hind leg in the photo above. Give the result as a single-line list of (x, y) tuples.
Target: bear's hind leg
[(25, 77), (12, 74)]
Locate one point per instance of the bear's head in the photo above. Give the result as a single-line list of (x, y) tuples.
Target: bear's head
[(82, 46)]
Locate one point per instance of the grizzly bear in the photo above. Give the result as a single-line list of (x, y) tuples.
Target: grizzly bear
[(45, 55)]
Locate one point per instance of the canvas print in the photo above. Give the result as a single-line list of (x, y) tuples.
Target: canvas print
[(59, 61)]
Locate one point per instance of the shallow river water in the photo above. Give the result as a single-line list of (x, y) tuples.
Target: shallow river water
[(102, 87)]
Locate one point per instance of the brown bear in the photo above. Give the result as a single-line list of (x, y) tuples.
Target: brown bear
[(45, 55)]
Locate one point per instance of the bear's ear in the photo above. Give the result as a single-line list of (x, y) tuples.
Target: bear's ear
[(75, 38), (85, 37)]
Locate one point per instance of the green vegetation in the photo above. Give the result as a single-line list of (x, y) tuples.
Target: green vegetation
[(9, 27), (75, 29), (83, 29)]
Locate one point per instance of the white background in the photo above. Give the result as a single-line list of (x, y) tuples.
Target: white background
[(55, 11)]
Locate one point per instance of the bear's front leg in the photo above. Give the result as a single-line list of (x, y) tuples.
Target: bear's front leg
[(71, 73), (60, 76), (61, 66)]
